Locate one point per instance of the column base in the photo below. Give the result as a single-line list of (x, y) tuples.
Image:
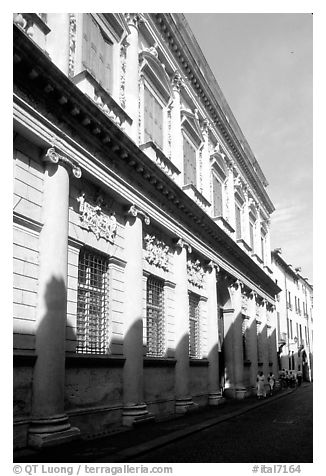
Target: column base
[(215, 399), (136, 415), (183, 405), (45, 432), (237, 393)]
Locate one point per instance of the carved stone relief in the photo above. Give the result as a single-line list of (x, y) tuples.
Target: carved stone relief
[(94, 219), (156, 252), (196, 273)]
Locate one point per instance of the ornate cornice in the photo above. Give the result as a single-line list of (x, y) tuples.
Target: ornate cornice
[(181, 243)]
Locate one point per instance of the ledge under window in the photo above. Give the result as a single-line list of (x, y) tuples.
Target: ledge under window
[(159, 362), (94, 360), (198, 362)]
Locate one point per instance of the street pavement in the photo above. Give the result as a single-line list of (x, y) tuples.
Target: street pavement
[(277, 429)]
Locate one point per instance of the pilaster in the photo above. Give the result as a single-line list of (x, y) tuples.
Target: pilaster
[(176, 136), (230, 196), (206, 167), (132, 73)]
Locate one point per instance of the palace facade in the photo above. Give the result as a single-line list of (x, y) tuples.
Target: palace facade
[(143, 284), (294, 317)]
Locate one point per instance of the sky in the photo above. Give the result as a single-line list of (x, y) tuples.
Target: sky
[(263, 64)]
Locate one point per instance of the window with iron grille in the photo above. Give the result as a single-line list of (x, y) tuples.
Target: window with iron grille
[(155, 317), (189, 162), (92, 303), (238, 214), (194, 335), (153, 119)]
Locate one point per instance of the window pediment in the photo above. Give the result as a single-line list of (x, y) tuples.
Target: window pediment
[(191, 124), (155, 72)]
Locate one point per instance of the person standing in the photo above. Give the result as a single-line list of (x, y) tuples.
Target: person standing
[(271, 381), (261, 392)]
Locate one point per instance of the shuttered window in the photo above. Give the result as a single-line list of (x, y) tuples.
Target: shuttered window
[(153, 119), (238, 222), (96, 52), (189, 163), (217, 197)]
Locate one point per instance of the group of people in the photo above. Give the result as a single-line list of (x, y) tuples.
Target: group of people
[(288, 379), (261, 390)]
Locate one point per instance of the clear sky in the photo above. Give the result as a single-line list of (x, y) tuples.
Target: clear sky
[(263, 64)]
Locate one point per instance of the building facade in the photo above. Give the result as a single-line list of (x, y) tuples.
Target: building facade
[(142, 273), (294, 317)]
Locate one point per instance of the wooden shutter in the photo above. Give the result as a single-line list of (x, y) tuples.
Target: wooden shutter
[(217, 197), (189, 163), (238, 221)]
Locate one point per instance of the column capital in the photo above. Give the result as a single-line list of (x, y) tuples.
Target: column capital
[(135, 212), (53, 157), (212, 265), (181, 243), (133, 19)]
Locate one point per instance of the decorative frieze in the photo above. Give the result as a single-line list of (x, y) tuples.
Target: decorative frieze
[(94, 219), (196, 273), (156, 252)]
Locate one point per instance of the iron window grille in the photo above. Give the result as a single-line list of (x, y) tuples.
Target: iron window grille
[(92, 304), (155, 318), (194, 334)]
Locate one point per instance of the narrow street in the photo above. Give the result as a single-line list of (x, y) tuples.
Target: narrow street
[(280, 431)]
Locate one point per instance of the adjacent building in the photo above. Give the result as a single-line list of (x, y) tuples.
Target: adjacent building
[(294, 317), (143, 284)]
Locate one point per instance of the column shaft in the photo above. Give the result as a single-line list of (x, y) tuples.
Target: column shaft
[(132, 76), (212, 330), (183, 398), (49, 371)]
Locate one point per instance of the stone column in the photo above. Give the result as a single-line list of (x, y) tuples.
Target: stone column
[(182, 370), (132, 74), (268, 245), (214, 395), (230, 197), (50, 424), (134, 408), (240, 390), (264, 338), (176, 135), (252, 347)]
